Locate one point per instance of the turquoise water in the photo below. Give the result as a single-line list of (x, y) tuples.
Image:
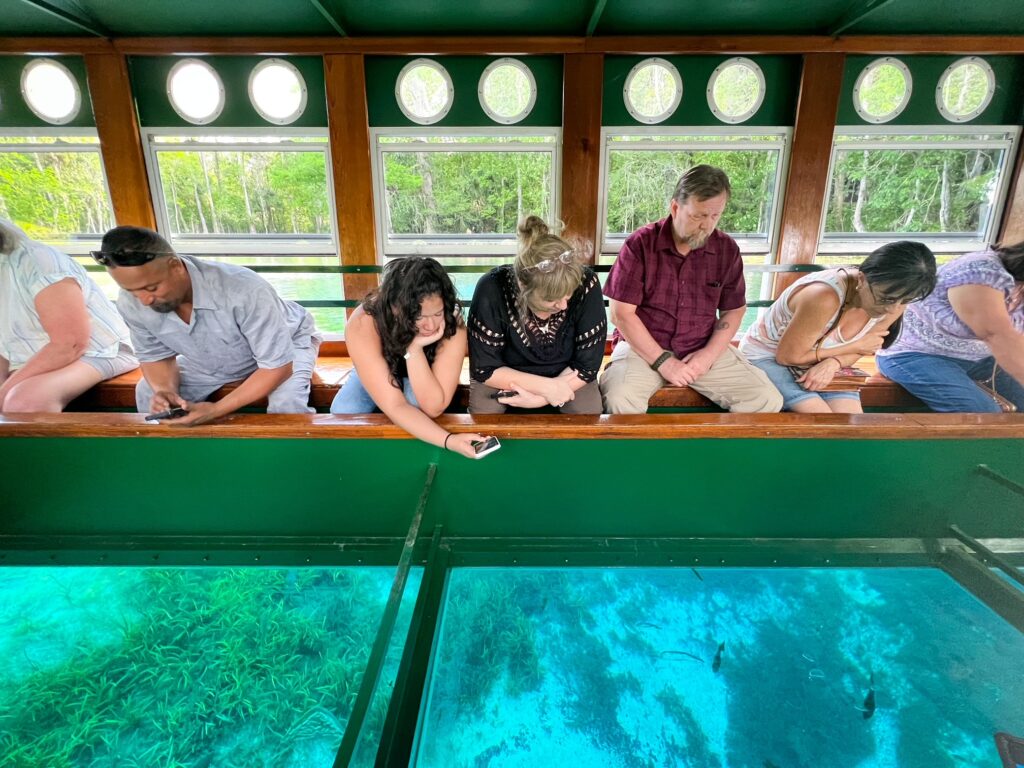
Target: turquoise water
[(190, 666), (614, 668)]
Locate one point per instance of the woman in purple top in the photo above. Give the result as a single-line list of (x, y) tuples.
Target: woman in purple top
[(970, 326)]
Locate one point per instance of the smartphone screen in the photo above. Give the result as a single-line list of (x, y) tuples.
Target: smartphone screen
[(490, 445)]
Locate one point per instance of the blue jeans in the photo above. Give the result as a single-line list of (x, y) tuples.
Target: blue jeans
[(793, 393), (946, 384), (353, 398)]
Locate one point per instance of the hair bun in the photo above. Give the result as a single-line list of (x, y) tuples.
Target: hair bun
[(530, 229)]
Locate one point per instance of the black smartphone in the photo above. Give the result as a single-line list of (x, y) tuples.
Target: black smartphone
[(503, 393), (490, 445), (171, 413)]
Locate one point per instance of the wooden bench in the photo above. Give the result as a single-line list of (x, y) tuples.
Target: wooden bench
[(333, 367)]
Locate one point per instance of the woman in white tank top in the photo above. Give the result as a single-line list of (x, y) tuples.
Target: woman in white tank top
[(828, 320)]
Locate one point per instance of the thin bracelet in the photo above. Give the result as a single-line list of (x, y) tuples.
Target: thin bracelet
[(817, 352), (841, 366), (446, 440)]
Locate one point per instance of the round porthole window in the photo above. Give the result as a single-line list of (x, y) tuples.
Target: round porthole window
[(653, 90), (736, 90), (196, 91), (51, 91), (277, 91), (424, 91), (965, 89), (882, 90), (507, 91)]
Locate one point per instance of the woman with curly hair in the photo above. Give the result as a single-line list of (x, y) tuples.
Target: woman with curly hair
[(537, 328), (407, 342)]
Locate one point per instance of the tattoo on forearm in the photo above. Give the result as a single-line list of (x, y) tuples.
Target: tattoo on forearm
[(721, 325)]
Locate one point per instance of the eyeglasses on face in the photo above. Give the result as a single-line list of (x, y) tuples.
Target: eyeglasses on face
[(126, 258), (548, 265), (888, 301)]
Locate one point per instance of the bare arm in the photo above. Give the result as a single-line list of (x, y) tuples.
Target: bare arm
[(813, 307), (434, 385), (368, 357), (65, 318), (983, 309)]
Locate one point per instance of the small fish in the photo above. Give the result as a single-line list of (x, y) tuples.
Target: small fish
[(807, 658), (650, 624), (697, 574), (682, 653), (868, 708), (717, 663), (815, 674)]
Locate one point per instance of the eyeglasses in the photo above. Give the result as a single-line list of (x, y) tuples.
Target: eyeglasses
[(548, 265), (888, 301), (126, 258)]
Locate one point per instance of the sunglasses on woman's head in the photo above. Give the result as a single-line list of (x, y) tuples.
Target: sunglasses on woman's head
[(548, 265), (126, 258)]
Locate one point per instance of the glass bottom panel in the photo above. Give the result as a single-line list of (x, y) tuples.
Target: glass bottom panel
[(758, 668), (187, 667)]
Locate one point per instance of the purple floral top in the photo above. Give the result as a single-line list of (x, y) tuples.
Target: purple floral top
[(932, 327)]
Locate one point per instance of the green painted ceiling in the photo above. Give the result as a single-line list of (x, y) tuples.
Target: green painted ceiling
[(119, 18)]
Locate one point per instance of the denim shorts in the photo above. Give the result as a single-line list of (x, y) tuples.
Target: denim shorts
[(793, 393), (353, 398)]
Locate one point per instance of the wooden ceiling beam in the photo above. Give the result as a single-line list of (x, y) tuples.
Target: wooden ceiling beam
[(403, 46)]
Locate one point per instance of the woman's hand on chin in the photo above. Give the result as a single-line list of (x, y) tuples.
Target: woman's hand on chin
[(419, 341)]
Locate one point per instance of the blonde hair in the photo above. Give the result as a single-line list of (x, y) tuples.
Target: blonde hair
[(537, 244), (10, 237)]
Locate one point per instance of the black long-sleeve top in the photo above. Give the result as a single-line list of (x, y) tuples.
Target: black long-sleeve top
[(573, 337)]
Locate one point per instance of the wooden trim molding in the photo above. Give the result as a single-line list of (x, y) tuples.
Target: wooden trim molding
[(638, 44), (807, 184), (581, 148), (872, 426), (1012, 230), (120, 142), (348, 124)]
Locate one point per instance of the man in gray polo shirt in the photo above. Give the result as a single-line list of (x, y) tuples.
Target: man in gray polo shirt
[(198, 325)]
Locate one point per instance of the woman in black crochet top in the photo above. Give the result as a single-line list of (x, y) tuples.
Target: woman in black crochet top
[(537, 327)]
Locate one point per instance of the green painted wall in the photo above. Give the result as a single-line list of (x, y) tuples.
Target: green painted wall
[(465, 71), (782, 85), (149, 84), (1005, 108), (775, 488), (14, 112)]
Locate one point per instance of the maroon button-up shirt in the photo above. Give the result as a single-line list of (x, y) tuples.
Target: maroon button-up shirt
[(677, 297)]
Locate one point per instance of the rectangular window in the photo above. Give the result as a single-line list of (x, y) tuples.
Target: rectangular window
[(263, 201), (946, 189), (641, 169), (54, 188), (244, 194), (461, 194)]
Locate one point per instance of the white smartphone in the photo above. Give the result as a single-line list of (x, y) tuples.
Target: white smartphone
[(490, 445)]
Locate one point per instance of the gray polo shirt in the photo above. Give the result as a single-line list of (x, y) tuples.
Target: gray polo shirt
[(238, 324)]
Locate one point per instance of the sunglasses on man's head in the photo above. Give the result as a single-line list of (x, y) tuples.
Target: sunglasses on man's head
[(126, 258)]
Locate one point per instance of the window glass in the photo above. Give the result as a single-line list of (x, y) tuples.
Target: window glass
[(965, 89), (653, 90), (277, 91), (461, 195), (508, 91), (882, 90), (642, 172), (736, 90), (934, 187), (196, 91), (51, 91), (424, 91), (54, 188)]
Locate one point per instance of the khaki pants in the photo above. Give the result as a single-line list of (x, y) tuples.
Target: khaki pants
[(732, 382), (586, 400)]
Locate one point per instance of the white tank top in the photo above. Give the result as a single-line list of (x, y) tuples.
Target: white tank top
[(762, 338)]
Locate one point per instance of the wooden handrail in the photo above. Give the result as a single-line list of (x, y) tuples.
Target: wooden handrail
[(873, 426)]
